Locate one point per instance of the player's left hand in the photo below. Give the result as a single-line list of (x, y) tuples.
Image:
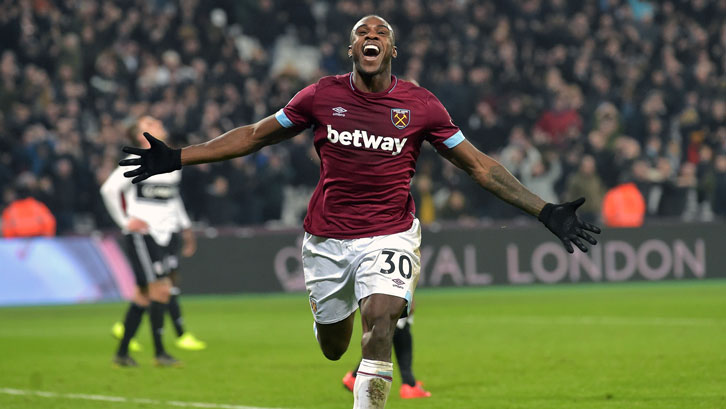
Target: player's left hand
[(159, 158), (562, 220)]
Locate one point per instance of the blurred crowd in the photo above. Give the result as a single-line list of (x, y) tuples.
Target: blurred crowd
[(574, 97)]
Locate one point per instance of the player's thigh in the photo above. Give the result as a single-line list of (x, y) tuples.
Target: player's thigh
[(390, 265), (140, 258), (329, 278), (173, 255), (381, 309)]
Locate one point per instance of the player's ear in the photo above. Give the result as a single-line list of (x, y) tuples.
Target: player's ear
[(350, 51), (395, 52)]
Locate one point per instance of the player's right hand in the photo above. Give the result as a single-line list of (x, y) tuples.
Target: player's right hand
[(159, 158), (137, 226)]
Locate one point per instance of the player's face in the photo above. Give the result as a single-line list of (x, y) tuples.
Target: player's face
[(372, 46), (153, 126)]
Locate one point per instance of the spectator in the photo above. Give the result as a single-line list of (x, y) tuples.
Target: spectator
[(25, 216), (586, 73), (586, 183)]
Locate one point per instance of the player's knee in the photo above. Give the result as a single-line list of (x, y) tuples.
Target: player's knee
[(334, 351)]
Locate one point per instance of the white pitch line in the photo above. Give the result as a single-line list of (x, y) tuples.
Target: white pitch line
[(120, 399)]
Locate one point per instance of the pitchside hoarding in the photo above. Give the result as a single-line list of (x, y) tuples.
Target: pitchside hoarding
[(87, 269), (270, 261), (63, 270)]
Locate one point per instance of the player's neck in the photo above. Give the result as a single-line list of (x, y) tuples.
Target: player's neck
[(372, 83)]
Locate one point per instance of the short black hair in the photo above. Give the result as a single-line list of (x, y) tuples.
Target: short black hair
[(393, 34)]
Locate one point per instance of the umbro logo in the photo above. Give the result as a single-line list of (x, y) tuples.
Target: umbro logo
[(339, 111), (399, 281)]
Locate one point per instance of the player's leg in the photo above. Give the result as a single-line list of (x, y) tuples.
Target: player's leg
[(386, 277), (140, 302), (334, 338), (185, 340), (403, 348), (175, 311), (159, 293), (174, 308), (379, 313), (132, 320), (329, 280)]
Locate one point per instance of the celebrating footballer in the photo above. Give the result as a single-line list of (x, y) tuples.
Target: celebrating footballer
[(362, 240)]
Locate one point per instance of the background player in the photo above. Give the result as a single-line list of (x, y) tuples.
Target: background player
[(361, 247), (148, 213), (182, 243)]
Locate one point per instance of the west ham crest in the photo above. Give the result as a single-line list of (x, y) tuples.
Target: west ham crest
[(400, 117)]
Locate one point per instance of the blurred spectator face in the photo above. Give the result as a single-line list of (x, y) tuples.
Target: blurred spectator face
[(423, 183), (220, 187), (8, 67), (64, 167), (457, 201), (655, 126), (153, 126), (718, 109), (587, 166), (705, 154), (538, 168), (688, 171), (518, 137), (721, 163), (607, 118)]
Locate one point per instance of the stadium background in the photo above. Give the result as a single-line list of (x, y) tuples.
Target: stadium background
[(574, 97), (544, 86)]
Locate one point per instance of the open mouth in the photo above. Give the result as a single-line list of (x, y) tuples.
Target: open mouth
[(371, 51)]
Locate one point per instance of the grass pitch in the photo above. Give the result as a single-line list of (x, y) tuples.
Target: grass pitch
[(628, 346)]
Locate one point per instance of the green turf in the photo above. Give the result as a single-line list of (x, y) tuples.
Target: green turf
[(623, 346)]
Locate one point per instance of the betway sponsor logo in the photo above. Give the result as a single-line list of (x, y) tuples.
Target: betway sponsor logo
[(361, 139)]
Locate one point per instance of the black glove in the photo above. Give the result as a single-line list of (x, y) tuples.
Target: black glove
[(562, 220), (159, 158)]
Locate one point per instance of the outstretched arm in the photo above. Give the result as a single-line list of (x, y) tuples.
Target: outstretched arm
[(492, 176), (241, 141), (560, 219), (238, 142)]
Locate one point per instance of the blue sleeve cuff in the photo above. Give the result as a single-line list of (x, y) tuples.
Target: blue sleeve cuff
[(284, 120), (454, 140)]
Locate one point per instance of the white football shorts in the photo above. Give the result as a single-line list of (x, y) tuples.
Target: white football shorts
[(339, 273)]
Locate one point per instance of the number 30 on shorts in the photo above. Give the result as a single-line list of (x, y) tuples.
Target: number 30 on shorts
[(397, 261)]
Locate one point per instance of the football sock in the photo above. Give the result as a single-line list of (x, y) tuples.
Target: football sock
[(372, 384), (403, 347), (131, 324), (156, 313), (176, 316)]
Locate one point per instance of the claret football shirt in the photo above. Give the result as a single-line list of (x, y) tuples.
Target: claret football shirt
[(368, 144)]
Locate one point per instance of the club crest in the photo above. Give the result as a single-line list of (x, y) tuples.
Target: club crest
[(400, 117)]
